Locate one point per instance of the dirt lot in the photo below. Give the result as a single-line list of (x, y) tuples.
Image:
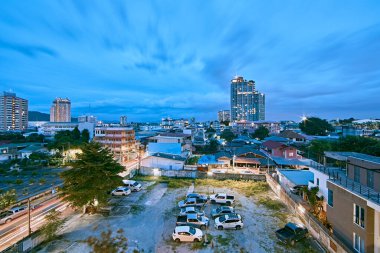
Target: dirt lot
[(148, 219)]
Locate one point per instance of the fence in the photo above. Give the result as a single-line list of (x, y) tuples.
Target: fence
[(26, 244), (147, 171), (316, 229)]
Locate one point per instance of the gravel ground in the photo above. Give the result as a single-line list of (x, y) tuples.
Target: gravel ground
[(148, 219)]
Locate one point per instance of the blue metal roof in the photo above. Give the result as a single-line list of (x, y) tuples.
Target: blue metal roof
[(167, 148), (298, 177)]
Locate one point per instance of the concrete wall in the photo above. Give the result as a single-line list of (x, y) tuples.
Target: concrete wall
[(316, 229), (162, 163)]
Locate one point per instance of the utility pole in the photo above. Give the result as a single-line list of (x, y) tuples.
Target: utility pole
[(29, 228)]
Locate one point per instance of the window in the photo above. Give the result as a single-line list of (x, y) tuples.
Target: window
[(317, 181), (357, 174), (330, 198), (358, 243), (359, 215), (370, 178)]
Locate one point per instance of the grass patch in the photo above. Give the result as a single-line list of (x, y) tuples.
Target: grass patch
[(248, 188), (271, 204), (136, 209), (223, 241), (201, 245), (173, 183)]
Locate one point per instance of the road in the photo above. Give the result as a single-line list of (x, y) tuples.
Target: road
[(17, 229)]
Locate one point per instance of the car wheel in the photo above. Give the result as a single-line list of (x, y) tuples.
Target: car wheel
[(203, 227), (220, 227), (228, 203), (238, 227), (9, 220), (177, 240), (213, 202), (124, 194), (292, 242), (196, 240)]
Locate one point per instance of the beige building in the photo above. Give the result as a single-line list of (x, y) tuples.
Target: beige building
[(353, 203), (60, 111), (120, 140), (13, 112)]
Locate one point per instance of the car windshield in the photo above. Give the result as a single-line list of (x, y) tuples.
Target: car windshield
[(136, 184), (192, 230), (223, 218)]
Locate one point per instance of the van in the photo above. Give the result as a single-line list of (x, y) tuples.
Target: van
[(133, 185), (13, 213)]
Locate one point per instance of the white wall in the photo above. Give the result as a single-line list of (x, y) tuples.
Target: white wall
[(322, 182), (162, 163)]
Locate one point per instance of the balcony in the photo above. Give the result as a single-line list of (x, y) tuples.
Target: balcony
[(361, 190)]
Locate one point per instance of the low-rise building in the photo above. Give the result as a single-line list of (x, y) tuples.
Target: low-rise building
[(164, 161), (353, 203), (120, 140)]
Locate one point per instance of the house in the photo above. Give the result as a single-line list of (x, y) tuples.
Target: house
[(279, 149), (276, 139), (166, 148), (353, 203), (292, 136), (26, 152), (289, 178), (164, 161)]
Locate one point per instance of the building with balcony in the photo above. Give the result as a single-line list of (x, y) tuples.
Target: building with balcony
[(224, 115), (13, 112), (246, 102), (353, 201), (60, 110), (120, 140)]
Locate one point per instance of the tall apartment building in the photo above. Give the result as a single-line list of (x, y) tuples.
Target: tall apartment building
[(120, 140), (87, 118), (246, 102), (60, 111), (123, 120), (13, 112), (353, 203), (224, 115)]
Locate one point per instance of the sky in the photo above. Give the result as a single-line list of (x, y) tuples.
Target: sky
[(153, 59)]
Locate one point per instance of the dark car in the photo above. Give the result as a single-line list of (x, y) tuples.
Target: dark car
[(297, 189), (199, 197), (222, 210), (291, 233)]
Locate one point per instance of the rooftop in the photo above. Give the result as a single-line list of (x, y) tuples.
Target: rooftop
[(169, 156), (343, 156), (167, 148), (298, 177)]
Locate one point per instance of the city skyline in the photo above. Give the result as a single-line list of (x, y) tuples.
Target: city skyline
[(177, 60)]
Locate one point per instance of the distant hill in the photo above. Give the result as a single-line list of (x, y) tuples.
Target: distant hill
[(40, 116)]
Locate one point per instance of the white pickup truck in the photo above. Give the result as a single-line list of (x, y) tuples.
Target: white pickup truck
[(222, 198)]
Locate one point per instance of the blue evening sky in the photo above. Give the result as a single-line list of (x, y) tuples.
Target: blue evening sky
[(150, 59)]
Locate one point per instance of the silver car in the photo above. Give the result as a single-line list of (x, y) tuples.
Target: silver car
[(13, 213)]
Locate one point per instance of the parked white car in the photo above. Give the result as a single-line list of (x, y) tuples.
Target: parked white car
[(121, 191), (133, 185), (191, 210), (229, 221), (187, 234), (222, 198)]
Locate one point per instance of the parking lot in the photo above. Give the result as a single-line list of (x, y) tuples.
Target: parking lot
[(148, 218)]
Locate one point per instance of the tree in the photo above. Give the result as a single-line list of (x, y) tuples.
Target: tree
[(260, 133), (355, 143), (52, 225), (93, 174), (193, 160), (210, 130), (7, 199), (75, 134), (317, 148), (315, 126), (226, 123), (85, 136), (228, 135), (372, 150), (107, 243)]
